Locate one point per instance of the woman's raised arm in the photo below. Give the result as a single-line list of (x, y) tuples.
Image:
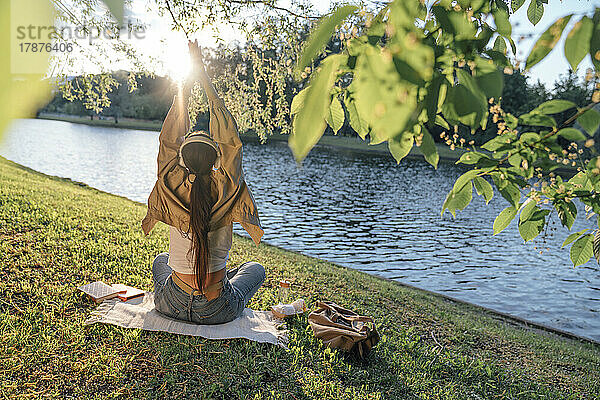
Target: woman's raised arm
[(222, 128), (174, 128)]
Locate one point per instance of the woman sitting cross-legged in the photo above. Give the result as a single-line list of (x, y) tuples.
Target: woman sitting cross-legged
[(199, 193)]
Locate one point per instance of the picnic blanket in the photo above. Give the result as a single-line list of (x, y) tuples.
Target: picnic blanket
[(259, 326)]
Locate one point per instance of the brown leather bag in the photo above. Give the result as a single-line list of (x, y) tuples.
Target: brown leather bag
[(344, 329)]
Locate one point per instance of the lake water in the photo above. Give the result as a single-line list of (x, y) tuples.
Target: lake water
[(361, 211)]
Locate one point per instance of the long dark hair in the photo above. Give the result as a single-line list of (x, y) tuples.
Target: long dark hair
[(199, 159)]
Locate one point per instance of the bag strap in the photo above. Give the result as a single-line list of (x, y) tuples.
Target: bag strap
[(341, 311), (330, 305)]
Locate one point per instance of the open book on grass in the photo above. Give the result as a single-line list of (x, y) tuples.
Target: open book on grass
[(100, 291), (127, 292)]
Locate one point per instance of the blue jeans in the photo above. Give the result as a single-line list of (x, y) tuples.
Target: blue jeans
[(239, 285)]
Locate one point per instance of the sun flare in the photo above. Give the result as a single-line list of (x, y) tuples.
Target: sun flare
[(177, 61)]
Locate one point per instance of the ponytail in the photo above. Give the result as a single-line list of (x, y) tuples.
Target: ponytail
[(201, 203)]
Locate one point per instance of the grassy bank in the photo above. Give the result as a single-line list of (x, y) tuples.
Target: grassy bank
[(56, 235), (340, 143), (354, 145), (124, 123), (357, 145)]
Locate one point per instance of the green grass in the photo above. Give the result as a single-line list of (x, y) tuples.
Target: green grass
[(56, 235)]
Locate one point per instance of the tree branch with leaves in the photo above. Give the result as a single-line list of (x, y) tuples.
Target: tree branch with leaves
[(417, 67)]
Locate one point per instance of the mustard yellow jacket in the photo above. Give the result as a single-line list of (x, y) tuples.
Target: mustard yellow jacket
[(170, 198)]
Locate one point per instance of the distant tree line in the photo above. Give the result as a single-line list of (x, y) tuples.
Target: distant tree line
[(520, 95), (152, 98)]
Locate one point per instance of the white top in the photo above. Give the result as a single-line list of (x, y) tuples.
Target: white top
[(219, 244)]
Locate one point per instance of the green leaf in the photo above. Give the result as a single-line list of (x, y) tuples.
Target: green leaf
[(597, 246), (501, 20), (582, 250), (516, 4), (516, 161), (494, 143), (595, 41), (503, 4), (513, 46), (407, 72), (547, 41), (376, 86), (555, 106), (498, 58), (458, 200), (536, 119), (486, 163), (483, 188), (535, 11), (454, 23), (571, 134), (470, 158), (491, 83), (589, 120), (462, 106), (22, 94), (439, 120), (577, 44), (530, 228), (335, 116), (415, 63), (504, 219), (511, 121), (465, 102), (581, 179), (498, 180), (356, 122), (116, 9), (464, 178), (591, 165), (432, 97), (527, 209), (429, 149), (466, 79), (321, 35), (400, 146), (298, 101), (530, 137), (500, 45), (573, 236), (309, 123), (567, 212), (511, 193)]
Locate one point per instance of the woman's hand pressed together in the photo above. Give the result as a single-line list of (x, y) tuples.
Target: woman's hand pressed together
[(196, 58)]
